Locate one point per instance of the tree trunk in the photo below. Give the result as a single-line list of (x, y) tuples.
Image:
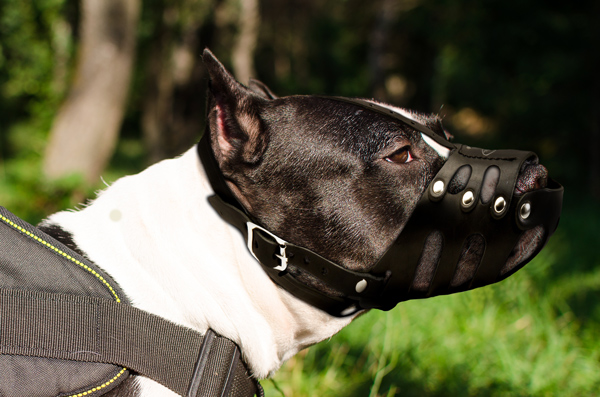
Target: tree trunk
[(243, 52), (594, 142), (86, 128), (378, 47), (387, 13), (174, 105), (158, 102)]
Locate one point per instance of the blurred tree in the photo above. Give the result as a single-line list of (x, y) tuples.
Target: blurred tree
[(377, 47), (173, 102), (243, 51), (86, 128), (594, 146)]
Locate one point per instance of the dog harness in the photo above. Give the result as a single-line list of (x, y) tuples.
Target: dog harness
[(67, 329), (500, 222)]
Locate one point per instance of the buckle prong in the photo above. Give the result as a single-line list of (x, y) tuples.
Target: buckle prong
[(283, 257), (282, 245)]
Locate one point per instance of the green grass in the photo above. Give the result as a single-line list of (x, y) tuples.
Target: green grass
[(534, 334)]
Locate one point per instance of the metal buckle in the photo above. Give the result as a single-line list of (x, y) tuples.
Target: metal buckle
[(282, 245)]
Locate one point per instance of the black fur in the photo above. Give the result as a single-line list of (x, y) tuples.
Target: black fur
[(61, 235), (314, 170)]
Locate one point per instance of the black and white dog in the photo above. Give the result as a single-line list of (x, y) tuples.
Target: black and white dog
[(327, 175)]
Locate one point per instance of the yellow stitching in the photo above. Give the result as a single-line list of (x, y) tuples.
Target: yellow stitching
[(95, 389), (47, 244)]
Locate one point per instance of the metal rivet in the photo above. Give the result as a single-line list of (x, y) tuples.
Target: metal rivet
[(499, 205), (349, 310), (525, 211), (438, 187), (361, 286), (468, 198)]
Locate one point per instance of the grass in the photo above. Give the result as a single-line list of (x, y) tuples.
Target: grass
[(534, 334)]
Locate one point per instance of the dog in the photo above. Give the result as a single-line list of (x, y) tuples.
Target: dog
[(325, 174)]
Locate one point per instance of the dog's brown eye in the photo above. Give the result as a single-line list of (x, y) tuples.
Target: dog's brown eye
[(401, 156)]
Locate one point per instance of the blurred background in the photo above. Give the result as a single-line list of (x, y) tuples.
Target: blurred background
[(92, 90)]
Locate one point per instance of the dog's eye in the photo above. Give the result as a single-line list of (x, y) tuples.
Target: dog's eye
[(401, 156)]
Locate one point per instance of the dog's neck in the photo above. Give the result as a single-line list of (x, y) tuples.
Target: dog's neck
[(158, 237)]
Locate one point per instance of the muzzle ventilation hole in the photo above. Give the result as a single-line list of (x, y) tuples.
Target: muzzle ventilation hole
[(470, 257), (460, 179), (432, 251), (490, 181)]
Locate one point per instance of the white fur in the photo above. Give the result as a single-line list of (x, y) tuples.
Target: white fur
[(158, 237), (443, 151), (400, 111)]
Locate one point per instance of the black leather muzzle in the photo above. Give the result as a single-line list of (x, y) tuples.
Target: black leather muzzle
[(500, 221)]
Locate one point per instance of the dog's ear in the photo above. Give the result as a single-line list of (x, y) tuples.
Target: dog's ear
[(237, 132), (261, 89)]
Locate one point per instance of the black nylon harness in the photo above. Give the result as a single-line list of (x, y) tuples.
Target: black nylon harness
[(456, 216), (67, 329)]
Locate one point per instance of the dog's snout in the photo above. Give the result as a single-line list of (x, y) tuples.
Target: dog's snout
[(533, 176)]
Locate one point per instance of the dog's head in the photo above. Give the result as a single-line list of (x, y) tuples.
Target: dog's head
[(340, 180)]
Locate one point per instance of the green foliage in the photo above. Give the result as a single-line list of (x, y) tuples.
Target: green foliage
[(31, 85), (32, 40), (25, 191)]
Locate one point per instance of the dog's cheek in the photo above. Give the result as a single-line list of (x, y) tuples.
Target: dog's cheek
[(385, 203)]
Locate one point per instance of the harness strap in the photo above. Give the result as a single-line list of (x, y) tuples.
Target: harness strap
[(90, 329)]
